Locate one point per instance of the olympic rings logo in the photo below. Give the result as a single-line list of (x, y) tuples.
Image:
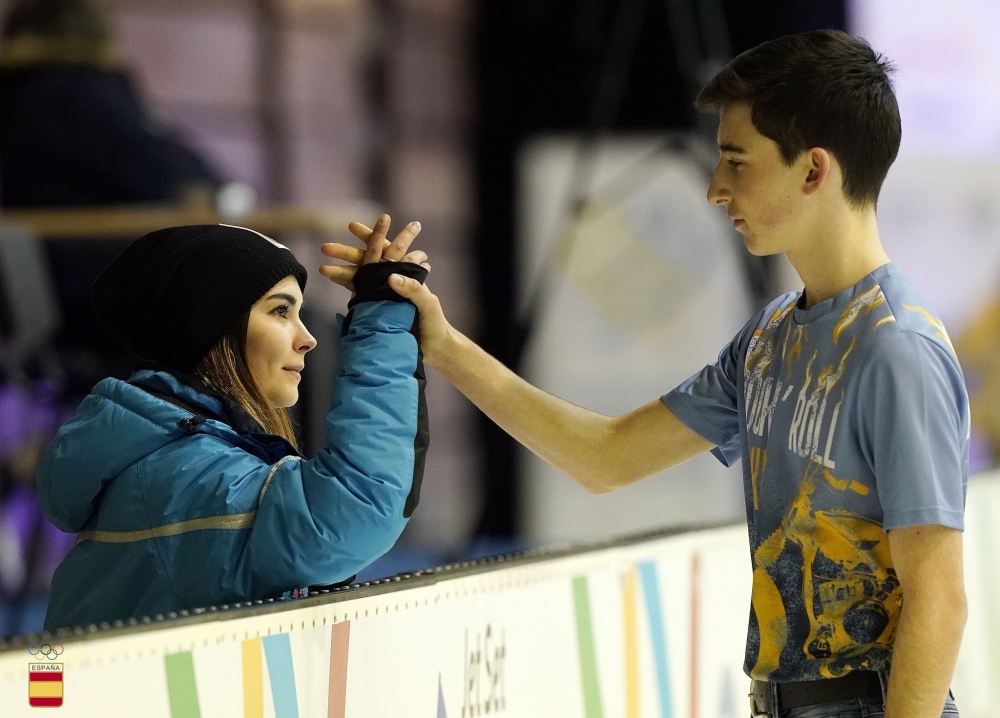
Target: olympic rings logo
[(46, 650)]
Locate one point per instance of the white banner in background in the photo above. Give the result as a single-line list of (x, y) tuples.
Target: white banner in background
[(639, 292), (654, 629)]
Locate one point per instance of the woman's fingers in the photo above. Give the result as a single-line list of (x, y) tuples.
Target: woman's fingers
[(416, 257), (402, 242), (376, 241), (394, 250)]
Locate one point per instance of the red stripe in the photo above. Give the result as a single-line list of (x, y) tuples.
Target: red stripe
[(340, 639), (45, 702), (38, 676)]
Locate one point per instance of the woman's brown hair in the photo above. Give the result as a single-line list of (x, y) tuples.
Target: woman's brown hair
[(225, 369)]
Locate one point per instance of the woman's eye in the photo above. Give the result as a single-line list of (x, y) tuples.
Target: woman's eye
[(281, 310)]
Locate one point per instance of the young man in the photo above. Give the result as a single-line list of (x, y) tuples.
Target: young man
[(845, 402)]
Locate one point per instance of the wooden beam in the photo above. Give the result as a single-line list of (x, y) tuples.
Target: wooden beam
[(135, 221)]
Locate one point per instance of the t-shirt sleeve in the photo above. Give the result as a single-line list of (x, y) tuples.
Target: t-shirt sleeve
[(914, 423), (707, 403)]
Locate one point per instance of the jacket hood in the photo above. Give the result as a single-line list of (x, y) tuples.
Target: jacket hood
[(117, 425)]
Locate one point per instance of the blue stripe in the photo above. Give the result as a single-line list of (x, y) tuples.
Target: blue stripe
[(278, 650), (442, 713), (658, 635)]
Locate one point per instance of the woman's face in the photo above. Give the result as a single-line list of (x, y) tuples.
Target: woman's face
[(277, 342)]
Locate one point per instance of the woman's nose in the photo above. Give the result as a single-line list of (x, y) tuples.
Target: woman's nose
[(306, 342)]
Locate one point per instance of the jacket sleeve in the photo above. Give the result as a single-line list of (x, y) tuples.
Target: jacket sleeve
[(322, 520)]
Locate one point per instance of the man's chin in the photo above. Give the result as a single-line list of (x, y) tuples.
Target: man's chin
[(758, 248)]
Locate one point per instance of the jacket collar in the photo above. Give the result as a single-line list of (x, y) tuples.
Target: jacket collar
[(197, 397)]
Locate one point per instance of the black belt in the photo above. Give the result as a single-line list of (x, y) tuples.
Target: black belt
[(856, 684)]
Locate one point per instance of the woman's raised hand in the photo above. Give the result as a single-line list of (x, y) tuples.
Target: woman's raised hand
[(379, 249)]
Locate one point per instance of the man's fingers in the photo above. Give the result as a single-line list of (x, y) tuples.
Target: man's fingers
[(410, 288), (402, 242), (376, 241), (340, 274), (360, 231), (354, 255)]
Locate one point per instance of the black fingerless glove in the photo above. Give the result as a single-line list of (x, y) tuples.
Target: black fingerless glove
[(371, 282)]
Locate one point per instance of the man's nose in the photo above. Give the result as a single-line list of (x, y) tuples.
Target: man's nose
[(718, 193)]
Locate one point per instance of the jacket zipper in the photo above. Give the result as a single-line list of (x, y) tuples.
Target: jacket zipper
[(270, 475)]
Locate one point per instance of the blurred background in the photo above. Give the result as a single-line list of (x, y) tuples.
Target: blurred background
[(551, 152)]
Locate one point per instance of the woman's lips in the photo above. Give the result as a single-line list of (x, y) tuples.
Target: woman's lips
[(296, 372)]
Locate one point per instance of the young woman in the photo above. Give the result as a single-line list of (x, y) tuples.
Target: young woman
[(184, 482)]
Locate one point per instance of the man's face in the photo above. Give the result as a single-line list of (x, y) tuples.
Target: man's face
[(762, 195)]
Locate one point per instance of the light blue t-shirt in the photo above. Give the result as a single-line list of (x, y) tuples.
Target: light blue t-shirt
[(852, 419)]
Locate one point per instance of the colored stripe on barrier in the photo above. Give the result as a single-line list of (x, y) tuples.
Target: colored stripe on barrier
[(442, 713), (695, 637), (991, 587), (340, 640), (658, 635), (253, 679), (182, 690), (631, 646), (278, 650), (585, 639)]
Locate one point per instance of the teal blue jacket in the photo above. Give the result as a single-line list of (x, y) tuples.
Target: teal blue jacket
[(177, 509)]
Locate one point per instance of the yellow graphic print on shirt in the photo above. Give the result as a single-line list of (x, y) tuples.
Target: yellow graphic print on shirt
[(847, 593), (849, 416), (852, 595)]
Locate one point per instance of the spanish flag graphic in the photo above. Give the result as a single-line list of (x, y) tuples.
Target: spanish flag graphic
[(45, 685)]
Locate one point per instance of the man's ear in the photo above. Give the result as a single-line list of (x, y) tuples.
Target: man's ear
[(818, 166)]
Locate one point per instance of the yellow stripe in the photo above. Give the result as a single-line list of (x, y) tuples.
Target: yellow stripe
[(253, 679), (45, 689), (631, 648), (230, 521)]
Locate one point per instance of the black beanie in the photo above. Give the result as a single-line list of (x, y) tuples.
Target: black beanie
[(172, 294)]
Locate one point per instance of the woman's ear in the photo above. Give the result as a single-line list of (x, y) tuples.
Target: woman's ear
[(818, 169)]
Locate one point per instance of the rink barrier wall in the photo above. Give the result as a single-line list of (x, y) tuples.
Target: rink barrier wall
[(651, 625)]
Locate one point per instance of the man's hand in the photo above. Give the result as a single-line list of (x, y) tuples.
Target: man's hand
[(928, 561), (378, 249), (435, 331)]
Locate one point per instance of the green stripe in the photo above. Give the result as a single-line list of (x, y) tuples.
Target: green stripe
[(181, 685), (585, 638)]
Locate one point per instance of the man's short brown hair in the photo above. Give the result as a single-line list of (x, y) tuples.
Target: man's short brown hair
[(818, 89)]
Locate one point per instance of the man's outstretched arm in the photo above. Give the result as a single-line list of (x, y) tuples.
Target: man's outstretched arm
[(600, 453)]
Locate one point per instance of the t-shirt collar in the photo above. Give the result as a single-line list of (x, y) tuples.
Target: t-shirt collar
[(836, 303)]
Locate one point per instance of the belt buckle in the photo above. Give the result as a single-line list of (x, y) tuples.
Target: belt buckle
[(756, 712)]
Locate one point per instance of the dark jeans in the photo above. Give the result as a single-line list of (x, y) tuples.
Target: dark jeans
[(855, 708)]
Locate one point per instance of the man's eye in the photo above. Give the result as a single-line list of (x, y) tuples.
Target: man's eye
[(735, 163), (281, 310)]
